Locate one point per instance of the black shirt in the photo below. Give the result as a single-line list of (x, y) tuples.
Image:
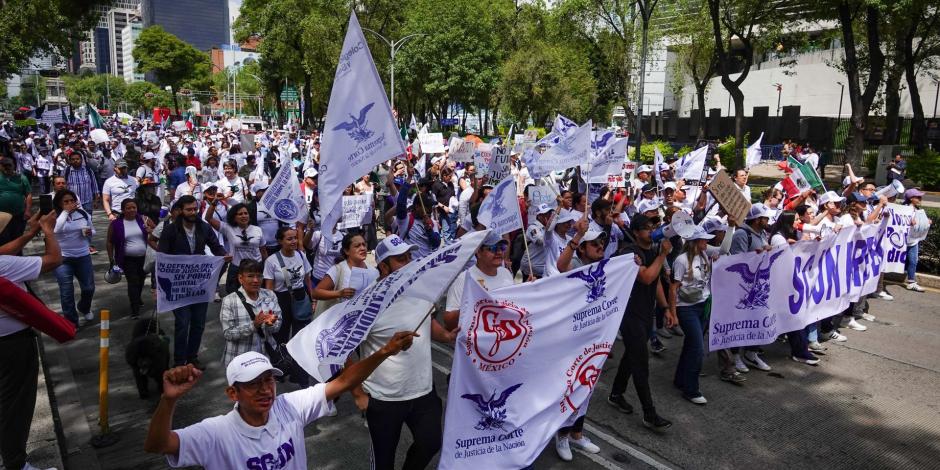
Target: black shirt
[(643, 297)]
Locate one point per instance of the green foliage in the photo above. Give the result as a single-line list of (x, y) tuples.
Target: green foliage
[(95, 89), (871, 162), (541, 131), (726, 151), (925, 169), (173, 62), (684, 150), (135, 94), (929, 262), (648, 150)]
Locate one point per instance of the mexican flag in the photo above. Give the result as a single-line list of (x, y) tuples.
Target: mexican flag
[(794, 184), (803, 172), (94, 119)]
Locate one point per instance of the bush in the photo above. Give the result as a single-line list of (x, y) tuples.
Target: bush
[(647, 152), (726, 151), (684, 151), (924, 169), (871, 163), (929, 259)]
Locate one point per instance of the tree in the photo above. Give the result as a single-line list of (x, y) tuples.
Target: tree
[(696, 58), (42, 27), (144, 96), (923, 19), (172, 61), (95, 89)]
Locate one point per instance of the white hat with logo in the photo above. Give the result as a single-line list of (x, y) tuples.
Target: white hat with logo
[(392, 245), (248, 366)]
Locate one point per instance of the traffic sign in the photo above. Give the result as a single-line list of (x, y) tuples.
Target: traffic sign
[(289, 94)]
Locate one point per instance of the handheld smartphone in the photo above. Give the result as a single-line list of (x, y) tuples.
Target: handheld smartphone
[(45, 204)]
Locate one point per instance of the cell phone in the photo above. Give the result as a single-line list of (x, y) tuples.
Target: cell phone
[(45, 204)]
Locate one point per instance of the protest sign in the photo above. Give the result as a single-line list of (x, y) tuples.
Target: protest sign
[(499, 165), (357, 211), (185, 279), (461, 151), (322, 347), (530, 136), (482, 158), (729, 196), (573, 149), (527, 361), (247, 141), (895, 243), (431, 142), (284, 197)]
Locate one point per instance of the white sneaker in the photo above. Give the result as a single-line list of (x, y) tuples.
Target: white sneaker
[(27, 466), (914, 287), (836, 336), (816, 347), (856, 325), (868, 317), (739, 364), (81, 321), (803, 360), (883, 295), (753, 359), (699, 400), (561, 446), (585, 444), (90, 316)]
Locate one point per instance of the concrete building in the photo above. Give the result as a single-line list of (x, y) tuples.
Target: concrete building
[(118, 19), (129, 34)]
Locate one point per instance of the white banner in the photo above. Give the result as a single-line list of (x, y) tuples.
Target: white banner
[(360, 131), (755, 298), (357, 211), (322, 347), (186, 279), (499, 211), (895, 243), (284, 197), (609, 161), (690, 166), (431, 142), (499, 164), (527, 360), (573, 149)]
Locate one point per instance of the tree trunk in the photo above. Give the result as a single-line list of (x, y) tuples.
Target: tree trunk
[(918, 123), (486, 122), (700, 96), (308, 108), (860, 102)]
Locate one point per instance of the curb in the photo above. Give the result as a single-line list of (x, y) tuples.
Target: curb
[(924, 280)]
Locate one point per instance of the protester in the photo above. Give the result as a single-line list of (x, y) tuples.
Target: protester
[(287, 274), (189, 235), (750, 237), (245, 241), (556, 238), (489, 272), (81, 179), (74, 229), (534, 265), (249, 315), (16, 199), (784, 233), (920, 226), (19, 349), (222, 443), (116, 189), (348, 276), (127, 249)]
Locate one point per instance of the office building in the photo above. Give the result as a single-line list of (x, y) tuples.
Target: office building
[(202, 23), (129, 34)]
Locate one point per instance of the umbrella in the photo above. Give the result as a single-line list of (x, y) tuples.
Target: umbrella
[(472, 138)]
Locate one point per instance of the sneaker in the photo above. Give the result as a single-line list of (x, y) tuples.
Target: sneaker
[(736, 378), (584, 444), (698, 400), (914, 287), (27, 466), (663, 333), (617, 401), (561, 446), (816, 347), (856, 325), (804, 360), (332, 411), (81, 321), (218, 298), (755, 361), (657, 346), (836, 336), (676, 331), (89, 316), (739, 364), (868, 317), (656, 423), (884, 295)]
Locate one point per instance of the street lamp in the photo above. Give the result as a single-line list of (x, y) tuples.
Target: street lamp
[(841, 94), (935, 99), (393, 47), (260, 92), (235, 67), (779, 91)]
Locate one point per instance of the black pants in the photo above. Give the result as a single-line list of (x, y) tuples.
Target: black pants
[(635, 360), (575, 427), (422, 415), (135, 275), (19, 374)]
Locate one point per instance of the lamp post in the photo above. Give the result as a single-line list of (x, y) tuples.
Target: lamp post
[(935, 99), (235, 67), (779, 92), (260, 92), (393, 47), (841, 94)]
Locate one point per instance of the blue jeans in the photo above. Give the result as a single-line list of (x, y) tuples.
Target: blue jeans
[(911, 264), (187, 332), (75, 268), (692, 321)]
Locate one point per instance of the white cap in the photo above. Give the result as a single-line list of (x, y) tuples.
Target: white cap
[(392, 245), (700, 234), (565, 216), (259, 185), (646, 205), (149, 156), (592, 235), (248, 366), (714, 225), (543, 209), (191, 171), (830, 196), (644, 169), (669, 185), (310, 173), (757, 211), (848, 180)]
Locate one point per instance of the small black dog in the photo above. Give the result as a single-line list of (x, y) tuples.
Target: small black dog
[(148, 354)]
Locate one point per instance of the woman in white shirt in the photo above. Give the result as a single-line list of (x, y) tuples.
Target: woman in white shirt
[(347, 277), (325, 251), (785, 233), (127, 248), (243, 240), (287, 273), (73, 229), (191, 186)]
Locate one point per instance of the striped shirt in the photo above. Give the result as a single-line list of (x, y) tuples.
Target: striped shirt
[(237, 328), (82, 181)]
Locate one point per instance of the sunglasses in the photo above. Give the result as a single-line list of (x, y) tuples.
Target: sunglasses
[(497, 247)]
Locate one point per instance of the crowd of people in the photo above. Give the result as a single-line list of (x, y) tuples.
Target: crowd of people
[(199, 193)]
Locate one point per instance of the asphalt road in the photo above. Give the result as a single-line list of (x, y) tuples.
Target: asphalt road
[(874, 401)]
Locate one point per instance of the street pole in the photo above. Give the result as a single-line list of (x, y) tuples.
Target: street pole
[(393, 47), (107, 86), (935, 100), (38, 104), (841, 95)]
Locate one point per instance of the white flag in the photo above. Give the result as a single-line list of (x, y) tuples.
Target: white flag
[(284, 197), (186, 279), (322, 347), (499, 212), (571, 150), (527, 360), (657, 163), (609, 161), (753, 154), (691, 166), (360, 131), (413, 125)]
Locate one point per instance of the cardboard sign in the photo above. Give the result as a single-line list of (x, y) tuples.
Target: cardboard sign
[(499, 164), (357, 211), (530, 136), (431, 142), (461, 151), (482, 158), (729, 196)]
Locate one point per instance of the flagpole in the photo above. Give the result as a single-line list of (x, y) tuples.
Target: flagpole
[(527, 255), (426, 315)]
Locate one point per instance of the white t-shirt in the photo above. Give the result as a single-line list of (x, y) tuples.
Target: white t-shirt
[(297, 267), (503, 278), (327, 252), (243, 244), (119, 189), (184, 189), (235, 190), (554, 245), (353, 278), (135, 243), (228, 442), (18, 269), (70, 232), (701, 273), (407, 375)]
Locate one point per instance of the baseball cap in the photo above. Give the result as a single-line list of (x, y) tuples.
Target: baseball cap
[(647, 205), (669, 185), (592, 235), (248, 366), (714, 225), (493, 238), (565, 216), (392, 245), (640, 221), (120, 163), (310, 173), (644, 169), (648, 187), (830, 196), (149, 156), (757, 211), (191, 171), (912, 193), (543, 209), (700, 234)]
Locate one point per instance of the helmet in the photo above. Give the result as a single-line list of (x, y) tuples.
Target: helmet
[(113, 276)]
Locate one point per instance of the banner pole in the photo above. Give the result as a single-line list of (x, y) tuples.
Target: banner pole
[(527, 255), (426, 315)]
